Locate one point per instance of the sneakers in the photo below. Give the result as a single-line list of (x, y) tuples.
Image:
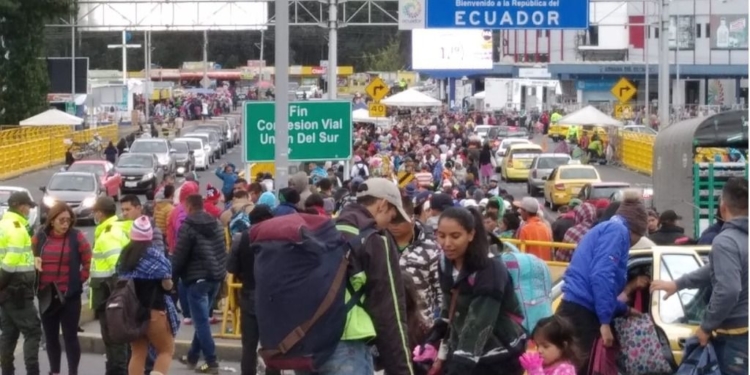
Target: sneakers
[(187, 321), (185, 361), (207, 368)]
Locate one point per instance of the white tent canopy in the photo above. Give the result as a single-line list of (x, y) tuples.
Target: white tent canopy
[(479, 95), (411, 98), (52, 117), (363, 115), (589, 116)]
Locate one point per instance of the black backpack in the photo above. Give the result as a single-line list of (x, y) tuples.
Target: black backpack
[(125, 316), (362, 170)]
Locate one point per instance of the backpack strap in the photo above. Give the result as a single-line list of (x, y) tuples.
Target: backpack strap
[(355, 242)]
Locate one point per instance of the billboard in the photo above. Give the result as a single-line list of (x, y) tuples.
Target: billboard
[(451, 49), (681, 32), (59, 72), (729, 31)]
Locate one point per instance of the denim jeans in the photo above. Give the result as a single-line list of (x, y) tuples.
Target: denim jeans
[(350, 358), (182, 296), (201, 297), (731, 351)]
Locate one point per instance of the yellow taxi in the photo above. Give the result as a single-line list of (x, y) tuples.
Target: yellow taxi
[(558, 132), (678, 316), (565, 182), (516, 163)]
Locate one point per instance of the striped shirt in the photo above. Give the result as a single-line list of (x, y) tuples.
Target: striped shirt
[(424, 179), (55, 269)]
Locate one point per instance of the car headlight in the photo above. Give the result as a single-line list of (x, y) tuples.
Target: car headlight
[(181, 170), (148, 176), (88, 202), (48, 201), (163, 161)]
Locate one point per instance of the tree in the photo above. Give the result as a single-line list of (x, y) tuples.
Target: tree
[(387, 59), (23, 81)]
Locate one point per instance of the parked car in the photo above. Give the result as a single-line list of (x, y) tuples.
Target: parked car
[(209, 138), (646, 191), (78, 189), (541, 167), (594, 191), (6, 191), (640, 129), (216, 129), (104, 170), (184, 157), (307, 92), (159, 147), (141, 174), (566, 181), (201, 152), (503, 148)]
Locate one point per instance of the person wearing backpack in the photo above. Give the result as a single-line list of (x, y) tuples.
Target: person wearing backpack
[(66, 259), (241, 205), (359, 169), (109, 239), (200, 261), (241, 264), (147, 266), (17, 286)]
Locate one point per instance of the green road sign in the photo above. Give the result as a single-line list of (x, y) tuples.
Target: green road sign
[(70, 107), (318, 130)]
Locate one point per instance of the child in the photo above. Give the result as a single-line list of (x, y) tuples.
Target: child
[(557, 351)]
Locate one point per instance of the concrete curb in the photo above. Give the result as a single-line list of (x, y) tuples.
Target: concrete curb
[(231, 352)]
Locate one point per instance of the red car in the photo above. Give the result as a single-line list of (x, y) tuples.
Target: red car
[(103, 169), (600, 190)]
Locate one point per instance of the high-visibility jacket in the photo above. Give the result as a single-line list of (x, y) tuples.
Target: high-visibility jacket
[(109, 238), (573, 132), (15, 244)]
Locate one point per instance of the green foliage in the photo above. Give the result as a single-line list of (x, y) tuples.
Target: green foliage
[(23, 75), (387, 59)]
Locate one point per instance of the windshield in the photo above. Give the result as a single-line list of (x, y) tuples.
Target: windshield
[(552, 162), (524, 153), (605, 192), (4, 195), (149, 147), (205, 138), (135, 161), (97, 169), (180, 147), (194, 145), (578, 174), (71, 183), (508, 143)]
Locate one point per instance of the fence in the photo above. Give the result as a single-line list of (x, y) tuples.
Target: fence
[(26, 149)]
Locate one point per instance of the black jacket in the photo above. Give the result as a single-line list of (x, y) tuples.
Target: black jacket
[(200, 252), (667, 235)]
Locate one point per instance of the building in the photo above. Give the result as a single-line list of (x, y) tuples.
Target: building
[(708, 50)]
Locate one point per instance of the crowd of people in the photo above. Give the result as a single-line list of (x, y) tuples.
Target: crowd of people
[(428, 287)]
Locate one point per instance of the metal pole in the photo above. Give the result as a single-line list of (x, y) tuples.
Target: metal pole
[(73, 60), (281, 53), (147, 82), (664, 65), (205, 57), (333, 62), (261, 64), (647, 112), (677, 94), (124, 57)]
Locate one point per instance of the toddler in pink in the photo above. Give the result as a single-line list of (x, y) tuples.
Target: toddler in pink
[(557, 352)]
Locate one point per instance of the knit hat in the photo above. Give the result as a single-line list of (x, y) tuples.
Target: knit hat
[(268, 199), (141, 230), (212, 194), (634, 212)]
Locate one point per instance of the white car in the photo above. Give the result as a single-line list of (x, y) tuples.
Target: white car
[(639, 129), (201, 155), (6, 191), (306, 92), (484, 132), (504, 145)]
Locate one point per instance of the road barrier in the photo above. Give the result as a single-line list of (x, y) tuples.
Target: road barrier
[(27, 149), (638, 151), (231, 316)]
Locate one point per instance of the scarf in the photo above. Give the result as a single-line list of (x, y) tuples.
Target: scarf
[(155, 266)]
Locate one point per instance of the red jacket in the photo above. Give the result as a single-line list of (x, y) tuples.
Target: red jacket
[(212, 209)]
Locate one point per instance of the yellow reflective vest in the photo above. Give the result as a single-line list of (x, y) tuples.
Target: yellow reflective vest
[(15, 244), (109, 238)]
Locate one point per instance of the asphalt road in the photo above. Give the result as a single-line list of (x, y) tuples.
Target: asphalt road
[(34, 180), (94, 364)]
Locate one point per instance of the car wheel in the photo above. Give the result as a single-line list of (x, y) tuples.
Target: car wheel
[(528, 189)]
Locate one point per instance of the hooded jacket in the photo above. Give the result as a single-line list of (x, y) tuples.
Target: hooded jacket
[(585, 218), (302, 184), (667, 234), (708, 235), (420, 259), (598, 272), (178, 214), (384, 289), (726, 273), (200, 252), (227, 178)]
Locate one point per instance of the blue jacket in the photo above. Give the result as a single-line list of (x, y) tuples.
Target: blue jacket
[(228, 179), (597, 274), (707, 237), (284, 209)]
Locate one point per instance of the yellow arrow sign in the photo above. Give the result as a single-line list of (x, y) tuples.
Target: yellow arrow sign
[(623, 90), (376, 109), (377, 89)]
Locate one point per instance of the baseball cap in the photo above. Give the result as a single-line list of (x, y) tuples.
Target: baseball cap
[(20, 198), (384, 189), (528, 204), (494, 179), (669, 216), (441, 202)]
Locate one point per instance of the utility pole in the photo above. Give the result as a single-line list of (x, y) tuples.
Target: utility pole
[(147, 90), (73, 63), (333, 63), (646, 59), (281, 112), (125, 47), (262, 63), (664, 66), (205, 81)]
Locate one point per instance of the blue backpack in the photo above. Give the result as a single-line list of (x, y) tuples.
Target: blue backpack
[(240, 221), (698, 360), (532, 283), (301, 278)]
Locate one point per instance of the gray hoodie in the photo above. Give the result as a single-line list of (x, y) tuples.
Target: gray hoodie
[(726, 273), (302, 184)]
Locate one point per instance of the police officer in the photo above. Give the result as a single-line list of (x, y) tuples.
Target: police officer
[(17, 281), (110, 236)]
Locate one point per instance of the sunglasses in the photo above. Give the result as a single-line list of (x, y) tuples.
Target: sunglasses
[(64, 220)]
